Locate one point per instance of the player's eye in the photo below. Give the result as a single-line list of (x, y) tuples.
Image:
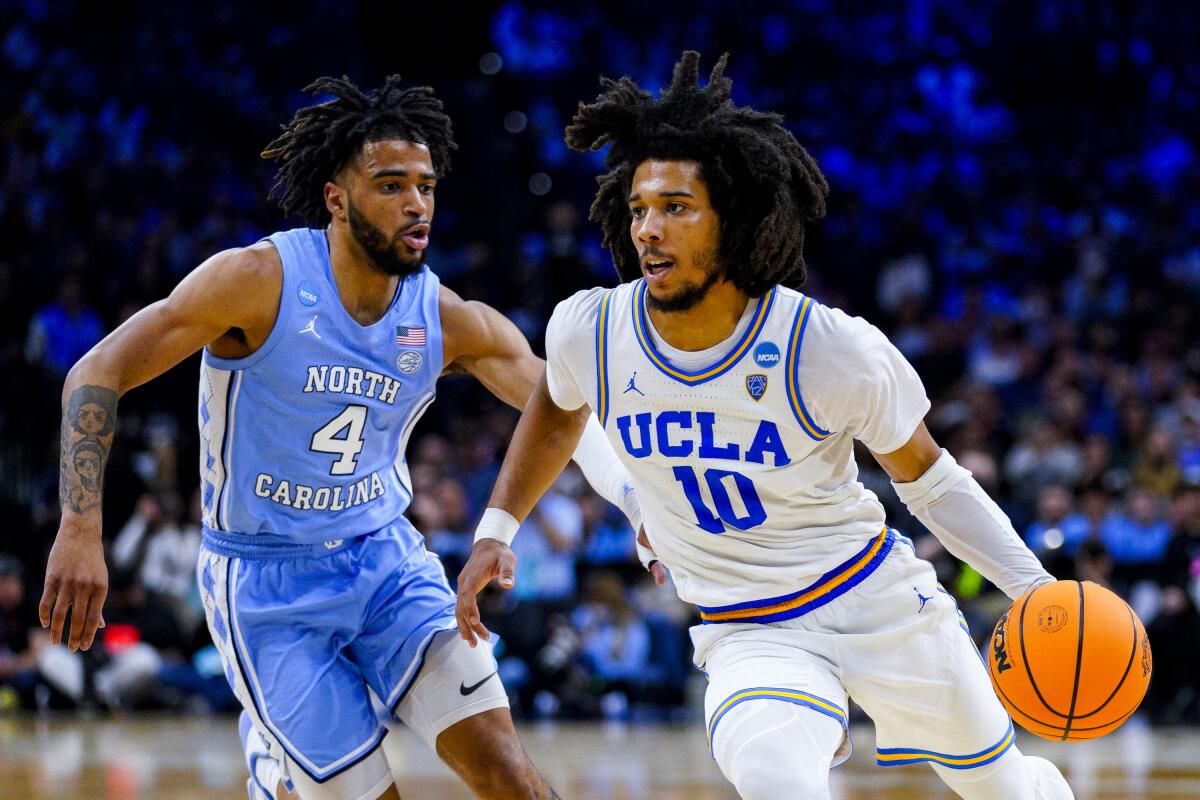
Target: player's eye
[(637, 212), (675, 208), (427, 188), (389, 187)]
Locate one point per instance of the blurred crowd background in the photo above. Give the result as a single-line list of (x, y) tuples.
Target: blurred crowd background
[(1015, 201)]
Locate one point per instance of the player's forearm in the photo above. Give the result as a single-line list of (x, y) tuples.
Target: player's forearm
[(948, 501), (542, 445), (89, 415), (605, 472)]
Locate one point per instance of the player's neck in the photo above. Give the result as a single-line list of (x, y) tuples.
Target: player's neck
[(365, 292), (706, 324)]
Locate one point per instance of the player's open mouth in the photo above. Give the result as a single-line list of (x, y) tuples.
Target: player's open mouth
[(416, 237), (656, 266)]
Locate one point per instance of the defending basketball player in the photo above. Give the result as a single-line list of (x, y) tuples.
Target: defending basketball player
[(740, 439), (322, 347)]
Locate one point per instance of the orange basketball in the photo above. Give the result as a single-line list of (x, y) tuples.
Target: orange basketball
[(1070, 661)]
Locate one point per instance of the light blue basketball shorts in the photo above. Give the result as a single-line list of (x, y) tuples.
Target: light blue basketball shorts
[(308, 633)]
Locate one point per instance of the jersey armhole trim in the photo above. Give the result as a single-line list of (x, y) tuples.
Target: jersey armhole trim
[(283, 318), (602, 360), (716, 370), (793, 374)]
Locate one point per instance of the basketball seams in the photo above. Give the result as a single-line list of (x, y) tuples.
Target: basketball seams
[(1078, 665), (1121, 683), (1025, 659), (1103, 643), (1055, 731)]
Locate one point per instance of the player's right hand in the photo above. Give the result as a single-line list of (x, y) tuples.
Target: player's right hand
[(490, 559), (76, 579)]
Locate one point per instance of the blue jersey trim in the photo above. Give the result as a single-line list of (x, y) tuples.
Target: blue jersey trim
[(602, 391), (828, 587), (283, 318), (806, 699), (717, 369), (221, 515), (793, 373), (897, 756)]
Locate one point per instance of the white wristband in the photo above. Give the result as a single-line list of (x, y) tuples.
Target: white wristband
[(496, 523)]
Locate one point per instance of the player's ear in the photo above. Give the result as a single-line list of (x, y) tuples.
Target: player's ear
[(335, 200)]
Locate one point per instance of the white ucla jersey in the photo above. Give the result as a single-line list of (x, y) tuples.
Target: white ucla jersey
[(743, 454)]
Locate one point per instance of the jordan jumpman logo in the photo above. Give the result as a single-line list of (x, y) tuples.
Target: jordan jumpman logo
[(632, 387), (922, 598), (311, 327)]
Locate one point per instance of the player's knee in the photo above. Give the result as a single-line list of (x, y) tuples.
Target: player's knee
[(768, 769)]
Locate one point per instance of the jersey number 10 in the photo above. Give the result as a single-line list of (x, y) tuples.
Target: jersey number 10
[(725, 513)]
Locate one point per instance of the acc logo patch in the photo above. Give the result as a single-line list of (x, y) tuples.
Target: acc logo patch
[(308, 294), (766, 355), (408, 362), (756, 385)]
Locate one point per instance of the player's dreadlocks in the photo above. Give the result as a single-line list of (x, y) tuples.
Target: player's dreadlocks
[(321, 138), (764, 186)]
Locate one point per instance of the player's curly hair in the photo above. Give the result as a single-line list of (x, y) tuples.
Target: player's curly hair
[(764, 186), (319, 139)]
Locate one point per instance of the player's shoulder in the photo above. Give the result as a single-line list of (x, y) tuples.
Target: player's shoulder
[(829, 333), (254, 267), (581, 306), (239, 278)]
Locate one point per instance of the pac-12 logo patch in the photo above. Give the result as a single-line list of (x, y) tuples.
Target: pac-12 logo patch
[(408, 362), (766, 355), (308, 294), (756, 385)]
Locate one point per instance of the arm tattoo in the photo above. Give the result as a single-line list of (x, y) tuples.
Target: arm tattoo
[(88, 424)]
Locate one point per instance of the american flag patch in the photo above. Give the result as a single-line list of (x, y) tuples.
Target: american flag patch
[(410, 337)]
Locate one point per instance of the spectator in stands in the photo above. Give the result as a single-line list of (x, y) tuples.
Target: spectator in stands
[(20, 636), (61, 332), (1174, 633), (614, 643), (1156, 467), (161, 549), (1057, 533), (1137, 539)]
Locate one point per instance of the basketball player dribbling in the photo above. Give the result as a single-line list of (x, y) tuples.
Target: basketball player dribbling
[(740, 444), (322, 347)]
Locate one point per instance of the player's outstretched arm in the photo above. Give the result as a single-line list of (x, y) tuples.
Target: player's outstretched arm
[(235, 290), (541, 446), (949, 501)]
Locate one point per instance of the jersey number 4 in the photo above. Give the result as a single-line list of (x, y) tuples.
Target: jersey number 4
[(330, 439), (751, 513)]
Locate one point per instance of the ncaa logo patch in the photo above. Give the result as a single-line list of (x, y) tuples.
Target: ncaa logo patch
[(308, 294), (408, 362), (756, 385), (766, 355)]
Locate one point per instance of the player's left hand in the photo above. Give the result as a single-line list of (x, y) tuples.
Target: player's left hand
[(656, 567), (490, 559)]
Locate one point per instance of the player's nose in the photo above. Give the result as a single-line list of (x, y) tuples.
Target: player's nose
[(649, 228), (415, 203)]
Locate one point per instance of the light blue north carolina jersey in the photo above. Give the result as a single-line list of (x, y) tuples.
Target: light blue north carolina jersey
[(303, 440)]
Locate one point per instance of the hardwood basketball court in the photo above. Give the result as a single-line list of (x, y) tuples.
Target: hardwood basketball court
[(198, 758)]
